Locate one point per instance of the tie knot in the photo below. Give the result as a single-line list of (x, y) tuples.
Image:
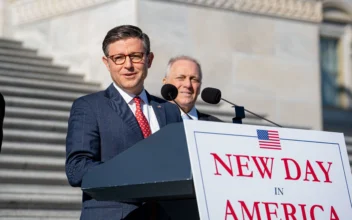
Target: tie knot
[(137, 100)]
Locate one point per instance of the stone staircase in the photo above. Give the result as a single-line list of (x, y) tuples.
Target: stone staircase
[(38, 97)]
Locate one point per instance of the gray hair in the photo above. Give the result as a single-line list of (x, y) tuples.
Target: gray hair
[(183, 57)]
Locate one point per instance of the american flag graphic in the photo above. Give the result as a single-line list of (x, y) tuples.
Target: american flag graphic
[(269, 139)]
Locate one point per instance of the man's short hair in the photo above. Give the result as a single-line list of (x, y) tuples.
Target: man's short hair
[(124, 32), (183, 57)]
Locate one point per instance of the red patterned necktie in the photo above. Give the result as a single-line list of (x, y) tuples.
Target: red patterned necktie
[(141, 119)]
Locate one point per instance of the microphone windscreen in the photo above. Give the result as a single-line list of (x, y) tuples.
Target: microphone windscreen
[(169, 92), (211, 95)]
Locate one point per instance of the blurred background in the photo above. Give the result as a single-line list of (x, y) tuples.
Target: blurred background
[(287, 60)]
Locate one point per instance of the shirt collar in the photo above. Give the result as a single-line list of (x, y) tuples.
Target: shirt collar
[(193, 113), (129, 97)]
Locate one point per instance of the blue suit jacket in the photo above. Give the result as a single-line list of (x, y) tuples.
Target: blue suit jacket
[(101, 125)]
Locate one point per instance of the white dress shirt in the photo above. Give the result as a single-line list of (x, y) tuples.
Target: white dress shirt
[(193, 113), (147, 109)]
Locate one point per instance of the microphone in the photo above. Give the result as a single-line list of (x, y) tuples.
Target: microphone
[(170, 92), (213, 96)]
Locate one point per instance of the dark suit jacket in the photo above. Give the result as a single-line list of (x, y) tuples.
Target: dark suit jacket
[(206, 117), (101, 126), (2, 115)]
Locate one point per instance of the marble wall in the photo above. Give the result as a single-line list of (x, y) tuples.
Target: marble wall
[(269, 65)]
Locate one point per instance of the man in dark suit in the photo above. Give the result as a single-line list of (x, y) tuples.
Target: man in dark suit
[(104, 124), (185, 73), (2, 115)]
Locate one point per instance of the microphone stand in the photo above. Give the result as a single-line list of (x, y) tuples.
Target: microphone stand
[(171, 98), (239, 114)]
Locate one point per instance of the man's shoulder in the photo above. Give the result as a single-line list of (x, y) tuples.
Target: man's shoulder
[(158, 100), (165, 103), (206, 117), (90, 98), (93, 96)]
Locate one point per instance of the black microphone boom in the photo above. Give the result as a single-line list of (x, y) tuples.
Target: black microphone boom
[(213, 96), (170, 92)]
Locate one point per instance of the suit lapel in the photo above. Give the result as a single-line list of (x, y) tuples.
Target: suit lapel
[(159, 110), (202, 117), (119, 105)]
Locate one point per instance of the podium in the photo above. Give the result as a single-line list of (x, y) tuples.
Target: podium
[(208, 170), (155, 169)]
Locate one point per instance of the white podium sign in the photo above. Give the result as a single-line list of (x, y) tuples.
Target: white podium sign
[(253, 172)]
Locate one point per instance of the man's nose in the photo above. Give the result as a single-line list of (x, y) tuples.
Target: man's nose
[(128, 63), (187, 83)]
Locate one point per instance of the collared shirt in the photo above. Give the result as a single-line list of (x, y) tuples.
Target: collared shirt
[(147, 109), (193, 113)]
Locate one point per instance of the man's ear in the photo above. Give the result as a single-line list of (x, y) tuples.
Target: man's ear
[(106, 62), (200, 88), (150, 59), (164, 80)]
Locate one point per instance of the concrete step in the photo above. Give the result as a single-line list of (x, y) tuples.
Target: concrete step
[(21, 52), (40, 217), (41, 189), (40, 93), (42, 201), (48, 214), (34, 149), (32, 162), (28, 60), (33, 68), (47, 84), (16, 135), (9, 43), (39, 196), (12, 176), (348, 141), (69, 78), (36, 125), (34, 114), (46, 104)]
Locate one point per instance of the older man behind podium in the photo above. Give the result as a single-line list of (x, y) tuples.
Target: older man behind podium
[(185, 73)]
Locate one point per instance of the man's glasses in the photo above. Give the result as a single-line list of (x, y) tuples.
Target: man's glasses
[(119, 59)]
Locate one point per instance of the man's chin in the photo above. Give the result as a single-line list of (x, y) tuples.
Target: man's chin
[(185, 105)]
